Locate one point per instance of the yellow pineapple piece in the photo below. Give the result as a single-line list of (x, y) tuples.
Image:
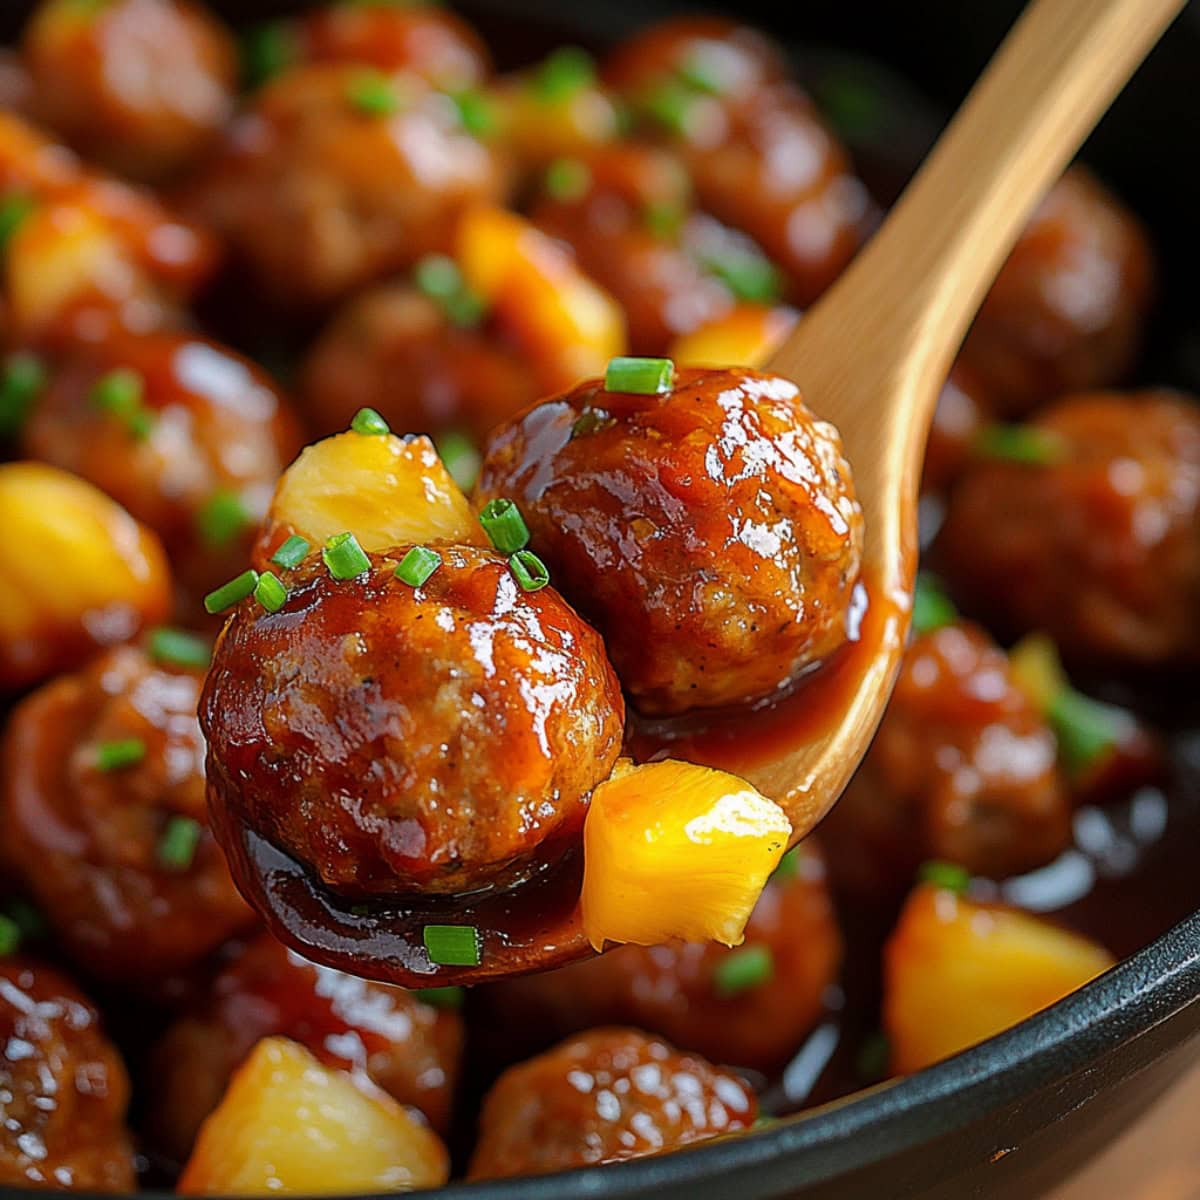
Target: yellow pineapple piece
[(289, 1124), (1037, 670), (539, 130), (957, 972), (747, 335), (673, 850)]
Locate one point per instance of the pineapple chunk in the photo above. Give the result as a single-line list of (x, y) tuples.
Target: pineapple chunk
[(289, 1124), (957, 972), (538, 130), (385, 490), (1037, 670), (673, 850), (747, 335)]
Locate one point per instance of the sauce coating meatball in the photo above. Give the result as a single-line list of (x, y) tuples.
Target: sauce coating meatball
[(142, 86), (63, 1089), (339, 175), (676, 990), (1099, 548), (397, 739), (409, 1048), (606, 1095), (711, 532), (103, 816), (963, 769)]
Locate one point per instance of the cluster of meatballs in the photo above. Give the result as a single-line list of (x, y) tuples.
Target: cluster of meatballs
[(213, 255)]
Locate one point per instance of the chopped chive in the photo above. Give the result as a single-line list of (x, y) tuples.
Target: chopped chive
[(417, 565), (442, 997), (291, 553), (567, 71), (452, 945), (177, 846), (672, 105), (591, 420), (506, 529), (30, 923), (932, 608), (10, 936), (788, 866), (567, 179), (178, 648), (23, 378), (873, 1058), (369, 423), (222, 518), (373, 93), (266, 51), (229, 594), (663, 220), (440, 279), (116, 755), (13, 211), (749, 277), (344, 557), (946, 875), (529, 570), (270, 592), (460, 456), (1087, 730), (743, 969), (704, 71), (475, 112), (121, 393), (639, 376), (1025, 444)]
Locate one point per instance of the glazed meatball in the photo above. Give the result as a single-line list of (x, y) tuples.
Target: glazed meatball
[(63, 1089), (104, 818), (142, 86), (395, 350), (963, 768), (606, 1095), (1099, 548), (1067, 311), (760, 156), (710, 532), (409, 1048), (186, 434), (677, 990), (397, 739), (339, 175)]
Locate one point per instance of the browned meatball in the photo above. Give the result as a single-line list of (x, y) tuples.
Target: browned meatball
[(606, 1095), (339, 175), (682, 990), (187, 435), (1101, 548), (710, 532), (963, 768), (409, 1048), (142, 86), (394, 350), (104, 818), (760, 156), (1067, 311), (398, 739), (63, 1089)]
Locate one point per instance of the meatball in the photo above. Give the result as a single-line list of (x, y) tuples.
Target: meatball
[(397, 739), (409, 1048), (676, 990), (104, 818), (339, 175), (63, 1089), (962, 411), (1067, 311), (186, 434), (394, 350), (760, 156), (710, 532), (142, 86), (963, 768), (1100, 547)]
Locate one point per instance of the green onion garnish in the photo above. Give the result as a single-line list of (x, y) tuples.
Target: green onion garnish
[(417, 565), (506, 529), (475, 112), (787, 868), (373, 93), (567, 178), (222, 518), (13, 211), (672, 105), (10, 936), (23, 378), (702, 70), (121, 393), (1025, 444), (270, 592), (177, 846), (946, 875), (639, 376), (529, 570), (440, 279), (873, 1058), (30, 923), (749, 277), (663, 220), (266, 51), (178, 648), (116, 755), (460, 456), (369, 423), (591, 420), (567, 71), (452, 945), (743, 969), (1086, 729), (442, 997), (344, 557), (291, 553), (932, 608), (229, 594)]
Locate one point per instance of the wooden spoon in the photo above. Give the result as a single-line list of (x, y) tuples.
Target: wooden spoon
[(871, 357)]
